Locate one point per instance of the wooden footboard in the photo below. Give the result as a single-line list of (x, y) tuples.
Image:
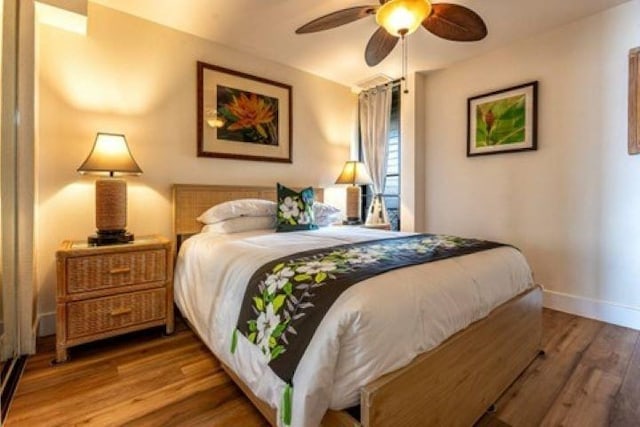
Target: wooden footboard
[(453, 384)]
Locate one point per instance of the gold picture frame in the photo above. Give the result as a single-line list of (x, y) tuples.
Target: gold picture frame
[(243, 117)]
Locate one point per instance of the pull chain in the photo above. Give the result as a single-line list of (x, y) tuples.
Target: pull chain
[(404, 62)]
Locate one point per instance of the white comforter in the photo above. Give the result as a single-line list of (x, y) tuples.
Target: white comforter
[(374, 327)]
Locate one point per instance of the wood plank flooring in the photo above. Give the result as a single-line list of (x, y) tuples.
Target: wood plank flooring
[(590, 376)]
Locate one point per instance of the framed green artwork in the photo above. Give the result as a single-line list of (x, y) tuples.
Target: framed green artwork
[(504, 121), (243, 117)]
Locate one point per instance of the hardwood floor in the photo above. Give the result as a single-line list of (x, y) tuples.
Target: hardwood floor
[(590, 376), (589, 369)]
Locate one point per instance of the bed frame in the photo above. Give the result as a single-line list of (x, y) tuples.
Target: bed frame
[(453, 384)]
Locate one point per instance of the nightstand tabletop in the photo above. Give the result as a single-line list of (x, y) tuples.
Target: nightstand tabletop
[(83, 245)]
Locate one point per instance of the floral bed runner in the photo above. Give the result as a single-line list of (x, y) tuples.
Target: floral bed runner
[(286, 299)]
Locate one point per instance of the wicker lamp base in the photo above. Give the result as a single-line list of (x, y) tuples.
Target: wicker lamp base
[(354, 196), (111, 213)]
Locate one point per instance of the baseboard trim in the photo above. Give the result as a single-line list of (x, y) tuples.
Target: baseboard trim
[(47, 324), (605, 311)]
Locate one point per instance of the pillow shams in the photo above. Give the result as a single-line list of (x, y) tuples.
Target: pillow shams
[(323, 213), (238, 208), (326, 214), (240, 224)]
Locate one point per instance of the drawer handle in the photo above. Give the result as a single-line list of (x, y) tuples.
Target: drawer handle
[(120, 270), (120, 312)]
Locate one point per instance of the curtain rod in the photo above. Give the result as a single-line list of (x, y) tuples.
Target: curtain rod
[(392, 83)]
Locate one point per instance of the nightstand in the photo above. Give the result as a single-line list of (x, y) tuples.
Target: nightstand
[(105, 291)]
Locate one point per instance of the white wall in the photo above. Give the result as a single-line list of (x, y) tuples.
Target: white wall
[(573, 205), (412, 154), (138, 78)]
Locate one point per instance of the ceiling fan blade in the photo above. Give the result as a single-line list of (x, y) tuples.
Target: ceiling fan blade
[(379, 46), (455, 22), (336, 19)]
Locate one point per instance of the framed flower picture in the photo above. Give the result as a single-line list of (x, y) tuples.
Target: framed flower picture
[(241, 116), (503, 121)]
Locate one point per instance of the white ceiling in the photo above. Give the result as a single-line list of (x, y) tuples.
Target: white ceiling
[(265, 28)]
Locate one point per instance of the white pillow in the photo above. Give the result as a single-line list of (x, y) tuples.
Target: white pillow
[(238, 208), (240, 224), (326, 214)]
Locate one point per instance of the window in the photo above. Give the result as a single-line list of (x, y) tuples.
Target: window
[(392, 179)]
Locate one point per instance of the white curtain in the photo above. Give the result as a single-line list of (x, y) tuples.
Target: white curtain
[(375, 114)]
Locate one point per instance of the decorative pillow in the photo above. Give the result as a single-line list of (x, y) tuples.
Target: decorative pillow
[(295, 209), (326, 214), (240, 224), (238, 208)]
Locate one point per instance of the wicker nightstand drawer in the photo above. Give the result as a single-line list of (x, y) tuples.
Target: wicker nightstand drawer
[(100, 315), (110, 290), (89, 273)]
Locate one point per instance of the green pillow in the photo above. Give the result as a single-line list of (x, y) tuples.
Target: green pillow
[(295, 209)]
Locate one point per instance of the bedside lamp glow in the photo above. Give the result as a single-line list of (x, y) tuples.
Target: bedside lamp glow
[(354, 173), (110, 155)]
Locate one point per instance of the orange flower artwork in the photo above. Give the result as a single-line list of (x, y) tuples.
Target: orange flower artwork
[(249, 117)]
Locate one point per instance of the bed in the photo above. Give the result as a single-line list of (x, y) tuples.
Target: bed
[(456, 380)]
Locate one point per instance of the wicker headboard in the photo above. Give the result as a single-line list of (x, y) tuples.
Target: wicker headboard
[(189, 201)]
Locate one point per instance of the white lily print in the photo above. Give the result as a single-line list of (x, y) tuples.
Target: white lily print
[(266, 323), (418, 247), (447, 244), (289, 208), (314, 267), (360, 256), (276, 281)]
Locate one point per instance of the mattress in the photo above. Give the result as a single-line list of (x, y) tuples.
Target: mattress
[(375, 327)]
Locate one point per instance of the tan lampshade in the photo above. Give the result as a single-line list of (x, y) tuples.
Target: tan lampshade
[(402, 17), (354, 173), (110, 154)]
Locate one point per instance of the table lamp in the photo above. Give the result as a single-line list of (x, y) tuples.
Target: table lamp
[(354, 173), (110, 155)]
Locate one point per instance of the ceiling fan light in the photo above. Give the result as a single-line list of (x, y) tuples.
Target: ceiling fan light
[(402, 17)]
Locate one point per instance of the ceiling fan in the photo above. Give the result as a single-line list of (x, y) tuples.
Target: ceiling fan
[(398, 18)]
